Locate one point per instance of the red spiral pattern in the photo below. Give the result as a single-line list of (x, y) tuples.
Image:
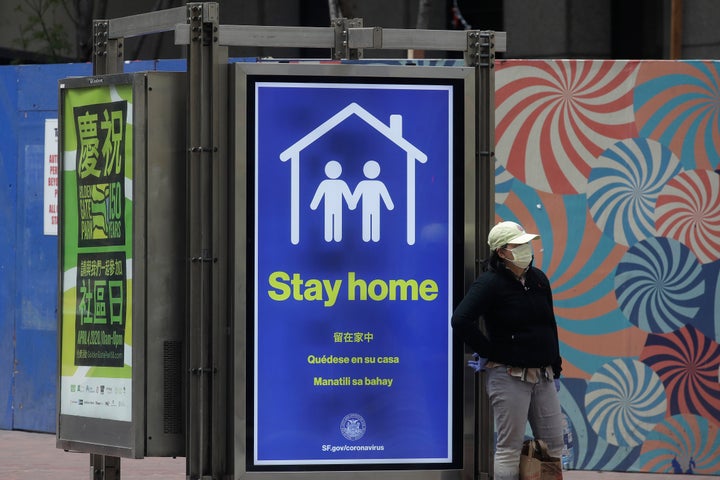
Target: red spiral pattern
[(688, 210), (687, 362), (553, 118)]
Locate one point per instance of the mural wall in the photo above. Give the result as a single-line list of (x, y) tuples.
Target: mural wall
[(614, 164)]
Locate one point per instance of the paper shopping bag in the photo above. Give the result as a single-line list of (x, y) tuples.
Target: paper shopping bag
[(537, 464)]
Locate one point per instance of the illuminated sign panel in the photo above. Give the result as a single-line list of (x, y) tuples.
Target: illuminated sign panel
[(122, 226), (96, 378), (353, 285)]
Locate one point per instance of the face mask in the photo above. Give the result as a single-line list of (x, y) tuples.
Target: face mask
[(522, 255)]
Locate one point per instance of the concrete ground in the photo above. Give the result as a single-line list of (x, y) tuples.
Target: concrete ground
[(33, 456)]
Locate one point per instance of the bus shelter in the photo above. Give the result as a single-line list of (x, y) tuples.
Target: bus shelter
[(259, 260)]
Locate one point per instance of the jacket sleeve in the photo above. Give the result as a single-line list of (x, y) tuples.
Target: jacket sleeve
[(557, 363), (465, 319)]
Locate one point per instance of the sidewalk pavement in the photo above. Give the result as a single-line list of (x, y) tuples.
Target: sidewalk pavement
[(33, 456)]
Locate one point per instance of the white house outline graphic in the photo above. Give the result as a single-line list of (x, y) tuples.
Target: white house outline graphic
[(392, 132)]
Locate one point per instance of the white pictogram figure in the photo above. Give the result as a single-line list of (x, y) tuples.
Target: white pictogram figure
[(371, 192), (332, 191), (392, 131)]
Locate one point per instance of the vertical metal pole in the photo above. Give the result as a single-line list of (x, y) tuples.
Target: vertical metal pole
[(199, 162), (221, 232), (107, 58), (481, 55), (207, 197), (103, 467)]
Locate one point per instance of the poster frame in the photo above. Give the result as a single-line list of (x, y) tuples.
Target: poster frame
[(242, 78), (157, 272)]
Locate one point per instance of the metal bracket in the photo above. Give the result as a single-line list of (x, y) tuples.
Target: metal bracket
[(202, 149), (203, 260), (107, 50), (370, 37), (480, 49), (195, 18), (202, 20), (101, 29), (472, 54), (487, 49), (342, 50), (203, 371)]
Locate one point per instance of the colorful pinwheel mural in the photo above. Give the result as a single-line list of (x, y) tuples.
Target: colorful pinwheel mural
[(614, 164)]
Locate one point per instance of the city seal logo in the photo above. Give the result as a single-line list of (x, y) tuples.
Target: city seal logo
[(352, 426)]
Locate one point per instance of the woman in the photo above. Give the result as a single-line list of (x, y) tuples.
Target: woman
[(520, 352)]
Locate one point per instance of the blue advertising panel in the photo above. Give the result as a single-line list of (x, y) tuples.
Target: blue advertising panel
[(353, 252)]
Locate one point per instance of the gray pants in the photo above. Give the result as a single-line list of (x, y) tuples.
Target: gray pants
[(514, 403)]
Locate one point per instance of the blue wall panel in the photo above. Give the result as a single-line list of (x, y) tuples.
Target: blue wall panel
[(8, 200), (35, 300), (36, 280)]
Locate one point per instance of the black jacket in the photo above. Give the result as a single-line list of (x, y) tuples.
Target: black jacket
[(520, 321)]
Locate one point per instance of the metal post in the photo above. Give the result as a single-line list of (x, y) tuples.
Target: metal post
[(107, 58), (481, 55), (103, 467), (207, 323), (221, 222)]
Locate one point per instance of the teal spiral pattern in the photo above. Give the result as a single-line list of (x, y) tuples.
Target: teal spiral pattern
[(682, 444), (624, 401), (624, 185), (678, 104), (659, 285)]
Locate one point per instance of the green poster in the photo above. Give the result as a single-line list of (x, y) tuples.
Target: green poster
[(96, 249)]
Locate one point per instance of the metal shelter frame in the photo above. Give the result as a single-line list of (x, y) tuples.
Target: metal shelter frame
[(197, 26)]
